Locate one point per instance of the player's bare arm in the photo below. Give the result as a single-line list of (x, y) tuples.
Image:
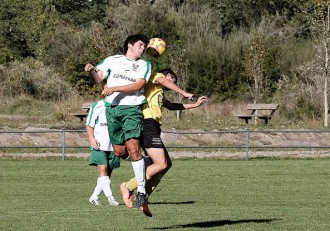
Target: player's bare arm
[(139, 84), (179, 106), (97, 75), (172, 86), (92, 141)]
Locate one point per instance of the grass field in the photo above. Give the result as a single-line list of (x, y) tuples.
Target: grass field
[(261, 194)]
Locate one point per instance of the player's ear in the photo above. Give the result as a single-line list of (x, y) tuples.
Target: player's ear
[(169, 77)]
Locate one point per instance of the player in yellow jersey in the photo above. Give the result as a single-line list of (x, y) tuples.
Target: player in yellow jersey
[(151, 135)]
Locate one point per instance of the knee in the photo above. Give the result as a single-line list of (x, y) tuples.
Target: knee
[(103, 171), (162, 166), (134, 154), (122, 155), (120, 152)]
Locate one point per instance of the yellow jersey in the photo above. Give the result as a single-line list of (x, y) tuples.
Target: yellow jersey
[(154, 94)]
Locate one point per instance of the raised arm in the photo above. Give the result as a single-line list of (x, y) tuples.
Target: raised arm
[(179, 106), (97, 75), (170, 85)]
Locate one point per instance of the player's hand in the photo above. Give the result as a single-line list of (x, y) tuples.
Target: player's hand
[(94, 143), (107, 91), (89, 67), (189, 96), (201, 100)]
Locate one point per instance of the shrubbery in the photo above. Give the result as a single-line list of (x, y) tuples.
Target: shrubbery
[(43, 52), (34, 79)]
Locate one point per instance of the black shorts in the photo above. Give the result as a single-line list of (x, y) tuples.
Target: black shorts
[(151, 134)]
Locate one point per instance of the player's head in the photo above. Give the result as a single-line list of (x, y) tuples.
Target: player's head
[(169, 74), (132, 39)]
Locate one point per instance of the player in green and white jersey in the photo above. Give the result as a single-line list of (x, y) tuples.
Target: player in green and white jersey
[(126, 76), (102, 154)]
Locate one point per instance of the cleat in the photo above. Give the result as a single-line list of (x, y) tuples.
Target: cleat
[(112, 201), (94, 201), (140, 200), (146, 210), (128, 196)]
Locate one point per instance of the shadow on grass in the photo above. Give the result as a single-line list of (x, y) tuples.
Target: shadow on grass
[(172, 203), (209, 224)]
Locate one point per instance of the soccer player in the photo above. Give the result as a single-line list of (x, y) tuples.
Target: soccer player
[(126, 76), (102, 154), (152, 142)]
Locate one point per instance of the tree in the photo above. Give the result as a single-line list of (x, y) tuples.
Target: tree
[(254, 64), (80, 12), (321, 22)]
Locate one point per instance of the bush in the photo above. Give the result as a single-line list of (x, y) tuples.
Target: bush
[(34, 79)]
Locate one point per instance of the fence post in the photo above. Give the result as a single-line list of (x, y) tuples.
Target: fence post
[(247, 143), (63, 144)]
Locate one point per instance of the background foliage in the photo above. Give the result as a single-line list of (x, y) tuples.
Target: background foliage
[(210, 46)]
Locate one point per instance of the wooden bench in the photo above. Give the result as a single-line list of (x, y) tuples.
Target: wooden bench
[(260, 111), (81, 115)]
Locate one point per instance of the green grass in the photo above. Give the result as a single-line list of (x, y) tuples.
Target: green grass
[(244, 195)]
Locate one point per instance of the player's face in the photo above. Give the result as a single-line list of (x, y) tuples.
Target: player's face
[(171, 78), (138, 48)]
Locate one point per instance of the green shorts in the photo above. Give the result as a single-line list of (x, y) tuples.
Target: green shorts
[(104, 158), (124, 123)]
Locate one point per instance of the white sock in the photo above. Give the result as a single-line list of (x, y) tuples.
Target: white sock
[(105, 185), (97, 190), (139, 171)]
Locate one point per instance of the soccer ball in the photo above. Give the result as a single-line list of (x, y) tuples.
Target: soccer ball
[(156, 47)]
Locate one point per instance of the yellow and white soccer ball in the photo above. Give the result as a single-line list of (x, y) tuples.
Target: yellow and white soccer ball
[(156, 47)]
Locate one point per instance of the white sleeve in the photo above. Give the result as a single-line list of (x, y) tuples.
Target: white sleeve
[(92, 117), (104, 66)]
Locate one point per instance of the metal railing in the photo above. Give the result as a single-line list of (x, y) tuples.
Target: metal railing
[(245, 139)]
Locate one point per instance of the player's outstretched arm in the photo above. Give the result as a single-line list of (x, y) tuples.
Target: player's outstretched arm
[(179, 106), (97, 75), (170, 85)]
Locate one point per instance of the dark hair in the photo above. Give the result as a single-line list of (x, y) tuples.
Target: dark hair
[(167, 71), (132, 39)]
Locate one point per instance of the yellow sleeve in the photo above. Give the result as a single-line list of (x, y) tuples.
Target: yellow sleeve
[(157, 76)]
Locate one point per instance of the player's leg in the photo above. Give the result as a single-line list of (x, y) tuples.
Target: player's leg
[(137, 161), (105, 183), (127, 130), (156, 179), (116, 133), (93, 161), (127, 188), (156, 169), (94, 198), (125, 126), (112, 163), (100, 158), (132, 121), (155, 149), (158, 158), (120, 150), (139, 172)]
